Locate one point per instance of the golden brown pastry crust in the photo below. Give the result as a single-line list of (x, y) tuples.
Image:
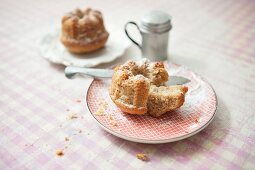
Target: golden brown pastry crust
[(131, 84), (139, 88), (83, 31), (79, 47)]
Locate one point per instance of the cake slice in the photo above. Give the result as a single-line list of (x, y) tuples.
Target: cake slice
[(165, 98)]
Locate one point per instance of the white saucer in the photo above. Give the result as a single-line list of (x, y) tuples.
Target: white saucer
[(53, 50)]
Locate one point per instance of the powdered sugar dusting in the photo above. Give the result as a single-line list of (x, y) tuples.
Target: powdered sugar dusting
[(142, 62), (139, 77)]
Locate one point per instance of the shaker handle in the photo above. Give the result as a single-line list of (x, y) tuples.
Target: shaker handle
[(126, 31)]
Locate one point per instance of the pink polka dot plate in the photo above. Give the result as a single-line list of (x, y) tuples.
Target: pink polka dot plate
[(197, 112)]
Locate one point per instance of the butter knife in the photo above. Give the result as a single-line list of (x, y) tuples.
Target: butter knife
[(72, 71)]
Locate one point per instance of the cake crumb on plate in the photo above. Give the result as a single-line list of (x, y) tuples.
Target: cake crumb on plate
[(100, 111), (102, 107), (113, 122), (197, 120)]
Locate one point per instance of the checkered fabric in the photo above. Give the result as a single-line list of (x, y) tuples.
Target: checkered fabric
[(41, 111)]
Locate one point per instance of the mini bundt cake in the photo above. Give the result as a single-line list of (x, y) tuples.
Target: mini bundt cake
[(137, 88), (83, 31)]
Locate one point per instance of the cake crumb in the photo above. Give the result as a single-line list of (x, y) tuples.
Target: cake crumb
[(72, 116), (66, 138), (78, 100), (113, 122), (67, 110), (102, 102), (80, 131), (110, 117), (100, 111), (102, 107), (197, 120), (142, 157), (59, 152)]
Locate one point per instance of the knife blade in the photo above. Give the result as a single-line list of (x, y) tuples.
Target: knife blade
[(72, 71)]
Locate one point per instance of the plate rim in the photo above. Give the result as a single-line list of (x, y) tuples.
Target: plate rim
[(132, 139)]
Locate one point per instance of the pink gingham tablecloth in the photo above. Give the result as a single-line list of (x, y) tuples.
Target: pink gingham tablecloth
[(41, 111)]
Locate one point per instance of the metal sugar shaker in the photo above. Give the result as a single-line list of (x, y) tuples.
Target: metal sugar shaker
[(154, 28)]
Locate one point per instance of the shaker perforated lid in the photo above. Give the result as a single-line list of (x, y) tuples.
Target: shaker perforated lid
[(156, 22)]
